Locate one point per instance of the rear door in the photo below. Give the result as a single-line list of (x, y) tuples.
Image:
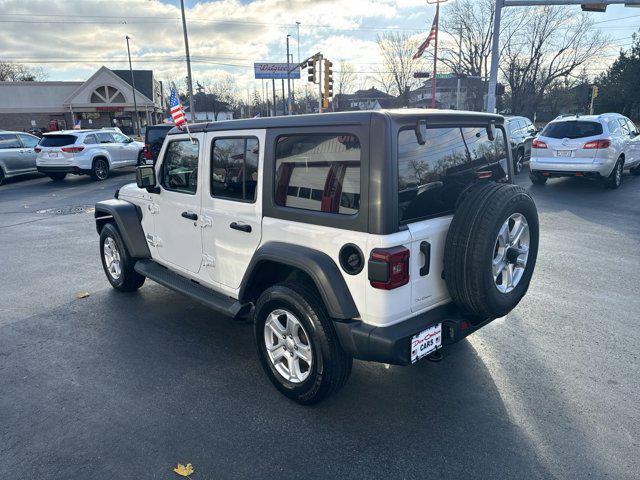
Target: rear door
[(232, 204), (10, 156), (431, 178)]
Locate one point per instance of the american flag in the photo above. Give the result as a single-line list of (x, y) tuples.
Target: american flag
[(432, 36), (176, 109)]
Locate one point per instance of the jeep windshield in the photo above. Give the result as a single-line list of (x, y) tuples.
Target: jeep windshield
[(572, 129), (432, 176)]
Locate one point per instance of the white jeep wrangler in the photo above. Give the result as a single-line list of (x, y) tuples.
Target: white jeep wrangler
[(380, 236)]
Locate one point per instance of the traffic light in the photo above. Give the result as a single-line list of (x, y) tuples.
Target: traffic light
[(595, 92), (328, 82), (311, 69)]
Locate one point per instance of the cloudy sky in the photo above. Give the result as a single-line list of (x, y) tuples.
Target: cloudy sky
[(70, 39)]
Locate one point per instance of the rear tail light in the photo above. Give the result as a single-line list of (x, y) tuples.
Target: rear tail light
[(72, 149), (597, 144), (538, 144), (37, 149), (147, 151), (389, 267)]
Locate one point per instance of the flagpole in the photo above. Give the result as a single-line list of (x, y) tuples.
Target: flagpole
[(435, 58)]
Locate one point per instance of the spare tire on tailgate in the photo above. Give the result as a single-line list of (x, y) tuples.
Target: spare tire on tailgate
[(491, 249)]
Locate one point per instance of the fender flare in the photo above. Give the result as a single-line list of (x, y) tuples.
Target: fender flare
[(127, 217), (318, 265)]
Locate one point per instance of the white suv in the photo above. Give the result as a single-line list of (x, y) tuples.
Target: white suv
[(381, 236), (592, 146), (92, 152)]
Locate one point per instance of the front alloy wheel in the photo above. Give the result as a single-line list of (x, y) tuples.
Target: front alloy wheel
[(112, 258)]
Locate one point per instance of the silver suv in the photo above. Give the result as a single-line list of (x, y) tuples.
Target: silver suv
[(596, 146), (17, 155), (86, 152)]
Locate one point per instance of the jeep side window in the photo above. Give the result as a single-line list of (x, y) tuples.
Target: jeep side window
[(180, 166), (432, 176), (318, 172), (234, 168)]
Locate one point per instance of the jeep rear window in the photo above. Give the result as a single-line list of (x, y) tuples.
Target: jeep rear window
[(432, 176), (572, 129), (57, 140), (318, 172)]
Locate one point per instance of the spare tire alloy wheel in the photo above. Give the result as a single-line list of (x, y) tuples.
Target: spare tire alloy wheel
[(112, 258), (511, 253), (288, 346)]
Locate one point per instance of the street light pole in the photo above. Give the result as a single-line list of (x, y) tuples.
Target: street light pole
[(192, 103), (133, 89), (288, 79)]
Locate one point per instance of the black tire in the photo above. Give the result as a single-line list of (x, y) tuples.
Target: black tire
[(57, 176), (2, 177), (537, 178), (129, 280), (330, 364), (634, 171), (472, 243), (614, 180), (518, 161), (100, 169)]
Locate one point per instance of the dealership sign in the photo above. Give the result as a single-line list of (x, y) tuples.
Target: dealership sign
[(274, 70)]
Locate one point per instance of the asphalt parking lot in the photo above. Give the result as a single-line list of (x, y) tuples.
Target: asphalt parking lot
[(126, 385)]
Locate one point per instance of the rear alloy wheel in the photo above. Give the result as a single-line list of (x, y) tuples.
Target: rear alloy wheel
[(57, 176), (537, 178), (297, 344), (100, 169), (518, 161), (614, 180)]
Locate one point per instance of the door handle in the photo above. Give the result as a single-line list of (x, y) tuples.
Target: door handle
[(190, 215), (242, 228), (425, 249)]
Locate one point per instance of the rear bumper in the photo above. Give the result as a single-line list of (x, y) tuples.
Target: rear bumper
[(392, 344), (62, 169), (571, 169)]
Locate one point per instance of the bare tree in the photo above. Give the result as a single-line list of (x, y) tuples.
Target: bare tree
[(14, 72), (219, 94), (552, 44), (396, 75), (346, 78)]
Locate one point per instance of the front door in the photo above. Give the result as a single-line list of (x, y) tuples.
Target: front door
[(231, 204), (177, 206)]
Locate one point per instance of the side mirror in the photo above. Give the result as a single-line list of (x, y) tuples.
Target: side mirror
[(491, 131), (146, 178), (128, 140), (421, 132)]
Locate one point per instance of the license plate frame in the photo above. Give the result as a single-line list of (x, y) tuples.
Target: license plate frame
[(425, 342), (564, 153)]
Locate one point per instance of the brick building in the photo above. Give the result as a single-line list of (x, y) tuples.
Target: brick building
[(105, 99)]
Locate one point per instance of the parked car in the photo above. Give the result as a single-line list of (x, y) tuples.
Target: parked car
[(154, 136), (86, 152), (378, 235), (17, 154), (521, 133), (593, 146)]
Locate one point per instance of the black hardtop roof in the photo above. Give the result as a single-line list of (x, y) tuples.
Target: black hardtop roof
[(337, 118)]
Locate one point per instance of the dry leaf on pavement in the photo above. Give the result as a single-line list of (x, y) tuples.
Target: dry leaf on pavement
[(184, 470), (82, 295)]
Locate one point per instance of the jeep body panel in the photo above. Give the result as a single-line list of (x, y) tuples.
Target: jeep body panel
[(127, 217)]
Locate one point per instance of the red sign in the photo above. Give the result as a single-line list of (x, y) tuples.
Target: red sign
[(109, 109)]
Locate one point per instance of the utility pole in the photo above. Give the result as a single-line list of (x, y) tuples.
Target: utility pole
[(435, 58), (133, 88), (319, 83), (275, 108), (288, 80), (459, 70), (192, 102), (587, 5)]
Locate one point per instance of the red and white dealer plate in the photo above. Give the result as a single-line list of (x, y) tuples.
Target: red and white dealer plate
[(426, 342)]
